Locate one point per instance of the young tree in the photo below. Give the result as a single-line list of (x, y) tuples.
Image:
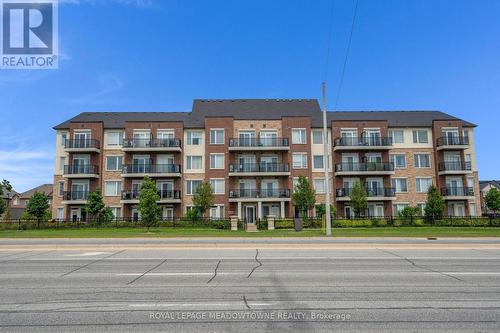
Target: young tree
[(4, 186), (321, 210), (38, 205), (492, 199), (96, 209), (434, 206), (410, 212), (304, 196), (358, 199), (148, 207), (203, 198)]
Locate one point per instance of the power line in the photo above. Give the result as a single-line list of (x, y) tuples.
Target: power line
[(327, 62), (346, 54)]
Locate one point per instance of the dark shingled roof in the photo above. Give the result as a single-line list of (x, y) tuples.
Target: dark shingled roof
[(266, 109), (484, 183), (45, 189)]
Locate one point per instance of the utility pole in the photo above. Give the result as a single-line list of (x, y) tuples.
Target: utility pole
[(325, 165)]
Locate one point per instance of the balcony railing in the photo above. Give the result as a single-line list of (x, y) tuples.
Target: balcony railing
[(455, 166), (151, 168), (258, 142), (259, 193), (364, 141), (151, 143), (81, 144), (259, 167), (164, 194), (383, 192), (457, 191), (452, 141), (366, 166), (75, 195), (81, 169)]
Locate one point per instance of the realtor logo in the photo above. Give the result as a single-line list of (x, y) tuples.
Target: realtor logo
[(28, 31)]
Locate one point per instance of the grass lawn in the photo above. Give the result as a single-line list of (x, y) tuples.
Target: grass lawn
[(188, 232)]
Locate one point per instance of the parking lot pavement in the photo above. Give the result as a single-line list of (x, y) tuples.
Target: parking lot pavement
[(253, 288)]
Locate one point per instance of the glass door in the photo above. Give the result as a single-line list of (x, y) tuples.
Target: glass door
[(454, 185), (350, 162), (81, 164), (82, 139), (249, 214), (269, 163), (141, 139), (268, 138), (141, 164), (248, 163), (166, 189), (372, 137), (247, 138), (451, 136), (349, 137)]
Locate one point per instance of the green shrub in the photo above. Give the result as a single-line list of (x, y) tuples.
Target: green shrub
[(379, 222), (419, 223), (283, 224)]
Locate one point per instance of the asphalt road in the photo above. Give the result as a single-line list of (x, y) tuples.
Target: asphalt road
[(258, 286)]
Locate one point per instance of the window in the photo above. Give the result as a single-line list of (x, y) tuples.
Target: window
[(216, 161), (319, 185), (299, 160), (217, 137), (470, 182), (194, 138), (400, 184), (191, 186), (117, 212), (423, 184), (60, 189), (112, 188), (113, 138), (397, 208), (217, 212), (421, 207), (466, 137), (399, 160), (318, 162), (472, 209), (298, 136), (60, 213), (217, 186), (295, 182), (64, 137), (422, 160), (397, 136), (114, 163), (420, 136), (193, 162), (62, 161), (317, 137)]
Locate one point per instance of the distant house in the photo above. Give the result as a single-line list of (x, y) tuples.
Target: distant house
[(19, 201), (9, 197), (484, 187)]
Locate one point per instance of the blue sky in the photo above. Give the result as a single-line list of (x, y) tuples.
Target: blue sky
[(133, 55)]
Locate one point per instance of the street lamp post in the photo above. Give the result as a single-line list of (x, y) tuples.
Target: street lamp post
[(325, 165)]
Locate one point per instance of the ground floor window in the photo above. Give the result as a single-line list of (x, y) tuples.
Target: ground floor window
[(271, 209), (217, 212), (397, 208), (472, 209), (376, 210), (117, 212), (168, 213), (60, 213), (456, 209)]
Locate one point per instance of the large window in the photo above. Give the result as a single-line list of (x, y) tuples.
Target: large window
[(319, 185), (216, 161), (114, 163), (397, 136), (194, 138), (317, 137), (400, 184), (217, 212), (192, 185), (423, 184), (299, 160), (217, 136), (299, 136), (117, 212), (114, 138), (193, 162), (397, 208), (217, 186), (422, 160), (420, 136), (112, 188), (398, 160), (318, 162), (61, 188)]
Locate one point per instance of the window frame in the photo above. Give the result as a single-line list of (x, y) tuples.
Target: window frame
[(322, 180), (118, 165), (120, 138), (215, 130), (190, 137), (419, 164), (302, 166), (391, 135), (213, 185), (118, 188), (313, 137), (189, 188), (304, 137), (418, 184), (322, 167), (189, 162), (416, 139), (394, 183), (392, 159), (212, 157)]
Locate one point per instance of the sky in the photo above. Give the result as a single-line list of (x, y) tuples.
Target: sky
[(159, 55)]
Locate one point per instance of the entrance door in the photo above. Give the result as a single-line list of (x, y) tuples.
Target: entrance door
[(249, 214), (75, 214), (372, 137), (348, 212)]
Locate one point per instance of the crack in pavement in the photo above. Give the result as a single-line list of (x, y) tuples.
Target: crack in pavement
[(93, 262), (257, 260), (146, 272), (28, 256), (215, 272), (246, 303), (419, 266)]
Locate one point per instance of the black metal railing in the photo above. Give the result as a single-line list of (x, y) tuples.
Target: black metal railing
[(258, 142), (259, 167), (259, 193), (81, 169), (75, 195), (455, 166), (452, 141), (383, 192), (164, 194), (364, 141), (365, 166), (457, 191), (152, 143), (151, 168), (81, 143)]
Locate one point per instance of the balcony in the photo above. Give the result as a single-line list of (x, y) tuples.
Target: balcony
[(259, 195), (256, 169), (251, 144), (366, 168), (457, 193), (81, 171), (454, 168), (151, 145), (373, 193), (132, 197), (81, 145), (75, 197), (452, 143), (151, 170), (362, 143)]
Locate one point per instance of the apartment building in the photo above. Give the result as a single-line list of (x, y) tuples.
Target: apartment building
[(252, 152)]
